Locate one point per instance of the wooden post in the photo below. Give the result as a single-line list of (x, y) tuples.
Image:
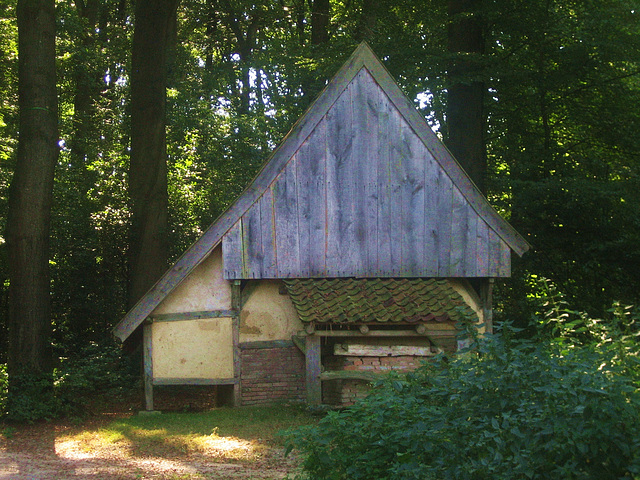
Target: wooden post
[(148, 366), (236, 307), (487, 304), (313, 367)]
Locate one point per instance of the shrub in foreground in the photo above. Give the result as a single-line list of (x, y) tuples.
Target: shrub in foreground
[(513, 410)]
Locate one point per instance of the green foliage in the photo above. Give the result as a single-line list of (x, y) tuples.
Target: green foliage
[(516, 410), (95, 372)]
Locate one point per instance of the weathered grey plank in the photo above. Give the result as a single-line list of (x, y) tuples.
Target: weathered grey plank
[(470, 268), (431, 237), (459, 234), (268, 235), (252, 243), (339, 187), (444, 199), (196, 315), (383, 155), (194, 381), (313, 370), (147, 349), (286, 222), (397, 175), (482, 249), (232, 251), (413, 202), (303, 179), (495, 254), (317, 164), (362, 166), (369, 97)]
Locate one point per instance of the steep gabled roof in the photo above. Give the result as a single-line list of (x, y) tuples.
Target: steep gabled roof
[(418, 200)]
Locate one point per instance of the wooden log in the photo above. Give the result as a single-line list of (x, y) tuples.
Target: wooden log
[(364, 329)]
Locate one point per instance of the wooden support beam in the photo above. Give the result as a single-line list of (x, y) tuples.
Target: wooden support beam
[(313, 368), (177, 317), (195, 381), (147, 347), (236, 307), (444, 332), (486, 295)]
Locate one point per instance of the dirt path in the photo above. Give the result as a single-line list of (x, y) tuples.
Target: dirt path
[(46, 452)]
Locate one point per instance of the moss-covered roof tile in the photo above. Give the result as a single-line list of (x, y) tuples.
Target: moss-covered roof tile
[(351, 300)]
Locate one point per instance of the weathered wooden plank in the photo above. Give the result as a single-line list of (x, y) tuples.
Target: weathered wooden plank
[(268, 235), (196, 315), (362, 170), (444, 200), (286, 222), (147, 353), (397, 176), (383, 156), (369, 97), (384, 333), (258, 345), (482, 249), (431, 238), (365, 350), (459, 234), (470, 261), (313, 368), (495, 254), (413, 202), (505, 260), (232, 252), (252, 243), (317, 155), (303, 179), (340, 199), (195, 381)]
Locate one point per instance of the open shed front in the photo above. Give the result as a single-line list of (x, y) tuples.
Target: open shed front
[(352, 252), (294, 340)]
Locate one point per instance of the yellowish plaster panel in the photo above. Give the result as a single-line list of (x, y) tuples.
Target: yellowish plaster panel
[(193, 349), (267, 314), (204, 289)]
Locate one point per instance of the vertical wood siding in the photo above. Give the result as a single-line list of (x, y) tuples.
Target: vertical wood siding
[(363, 196)]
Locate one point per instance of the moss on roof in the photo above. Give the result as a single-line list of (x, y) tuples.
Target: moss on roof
[(351, 300)]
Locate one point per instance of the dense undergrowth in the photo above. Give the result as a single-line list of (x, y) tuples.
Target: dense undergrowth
[(93, 373), (564, 404)]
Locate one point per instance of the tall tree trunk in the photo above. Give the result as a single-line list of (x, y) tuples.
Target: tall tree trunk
[(148, 166), (30, 199), (465, 116), (321, 11)]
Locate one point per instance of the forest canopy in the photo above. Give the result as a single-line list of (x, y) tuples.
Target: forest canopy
[(561, 86)]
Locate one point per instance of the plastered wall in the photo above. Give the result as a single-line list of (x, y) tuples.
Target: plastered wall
[(193, 349), (204, 289), (267, 314)]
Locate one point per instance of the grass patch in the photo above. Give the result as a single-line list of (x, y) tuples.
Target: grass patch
[(242, 434)]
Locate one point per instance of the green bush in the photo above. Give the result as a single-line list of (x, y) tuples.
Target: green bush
[(513, 410), (95, 372)]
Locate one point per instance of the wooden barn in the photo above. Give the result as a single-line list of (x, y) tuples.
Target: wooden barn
[(358, 248)]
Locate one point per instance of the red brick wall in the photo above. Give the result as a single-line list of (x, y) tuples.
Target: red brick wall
[(271, 374), (346, 392)]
